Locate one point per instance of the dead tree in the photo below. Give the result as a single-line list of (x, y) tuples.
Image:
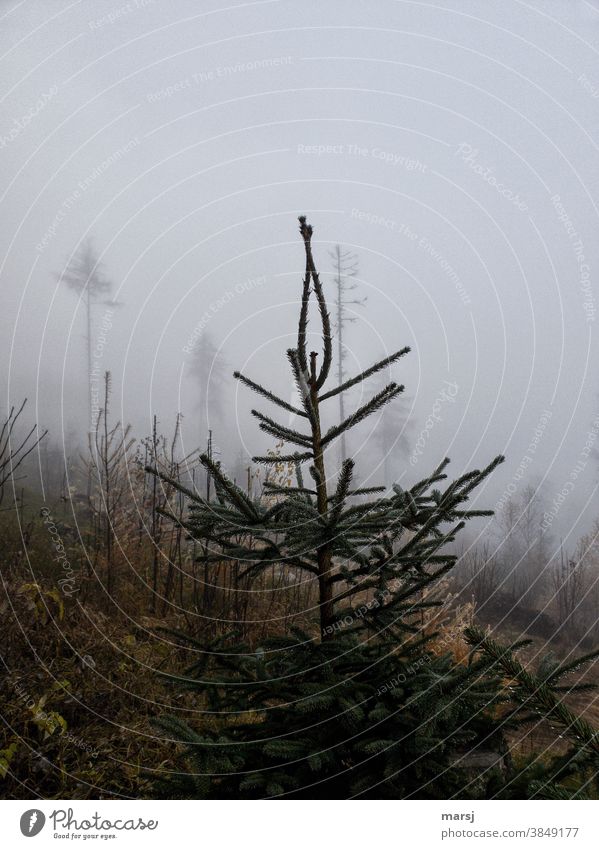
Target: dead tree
[(479, 572), (109, 449), (15, 450), (568, 587), (345, 265), (84, 276)]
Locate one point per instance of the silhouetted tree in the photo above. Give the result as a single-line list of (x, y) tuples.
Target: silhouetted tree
[(345, 266), (84, 275), (208, 371)]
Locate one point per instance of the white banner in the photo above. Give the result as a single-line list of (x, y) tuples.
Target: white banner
[(300, 825)]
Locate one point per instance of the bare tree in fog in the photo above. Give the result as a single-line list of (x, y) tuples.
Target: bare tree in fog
[(524, 548), (568, 587), (390, 434), (14, 451), (479, 571), (110, 448), (209, 372), (345, 266), (575, 585), (85, 277)]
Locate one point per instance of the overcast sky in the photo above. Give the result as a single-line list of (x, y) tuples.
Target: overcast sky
[(453, 146)]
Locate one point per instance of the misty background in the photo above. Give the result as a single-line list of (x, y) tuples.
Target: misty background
[(451, 147)]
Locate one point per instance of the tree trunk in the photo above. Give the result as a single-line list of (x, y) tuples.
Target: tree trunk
[(323, 553)]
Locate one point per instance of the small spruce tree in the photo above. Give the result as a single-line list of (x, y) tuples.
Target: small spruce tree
[(368, 702)]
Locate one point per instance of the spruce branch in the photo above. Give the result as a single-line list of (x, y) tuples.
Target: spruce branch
[(285, 458), (284, 560), (301, 383), (152, 470), (299, 476), (436, 476), (538, 694), (287, 490), (268, 425), (480, 477), (267, 394), (367, 373), (367, 490), (573, 666), (236, 495), (375, 403), (341, 493)]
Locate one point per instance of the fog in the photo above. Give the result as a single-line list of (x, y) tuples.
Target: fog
[(452, 147)]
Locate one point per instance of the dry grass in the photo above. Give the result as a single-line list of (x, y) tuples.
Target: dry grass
[(79, 688)]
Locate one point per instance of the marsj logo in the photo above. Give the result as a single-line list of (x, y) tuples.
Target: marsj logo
[(32, 822)]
